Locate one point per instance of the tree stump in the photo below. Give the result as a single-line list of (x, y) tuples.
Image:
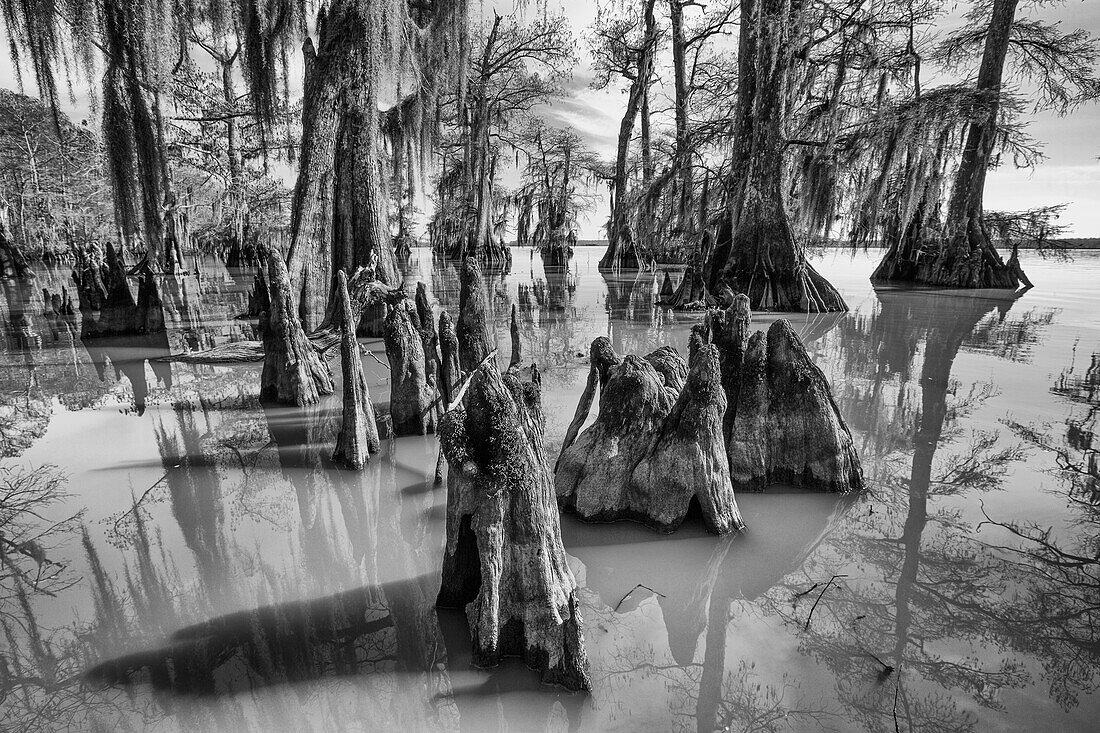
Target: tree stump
[(593, 475), (504, 562), (517, 347), (671, 366), (475, 335), (687, 460), (601, 358), (358, 436), (410, 393), (729, 330), (810, 445), (293, 371), (450, 372)]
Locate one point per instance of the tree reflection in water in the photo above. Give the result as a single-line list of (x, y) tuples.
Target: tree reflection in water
[(257, 586)]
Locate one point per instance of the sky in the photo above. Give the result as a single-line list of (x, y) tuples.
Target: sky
[(1070, 173)]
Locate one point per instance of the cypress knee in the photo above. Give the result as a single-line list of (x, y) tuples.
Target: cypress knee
[(686, 459), (410, 393), (358, 436), (293, 371), (475, 336), (504, 562), (594, 473)]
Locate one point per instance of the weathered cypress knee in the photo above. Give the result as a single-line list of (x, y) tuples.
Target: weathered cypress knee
[(729, 331), (504, 562), (475, 334), (810, 445), (593, 474), (747, 446), (601, 358), (517, 348), (449, 370), (410, 393), (671, 366), (358, 436), (686, 458), (293, 371)]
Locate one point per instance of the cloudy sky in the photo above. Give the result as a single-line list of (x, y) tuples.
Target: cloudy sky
[(1070, 174)]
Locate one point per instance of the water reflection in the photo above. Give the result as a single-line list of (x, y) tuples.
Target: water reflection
[(256, 586)]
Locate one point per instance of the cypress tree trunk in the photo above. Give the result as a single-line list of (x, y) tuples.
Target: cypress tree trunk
[(622, 250), (757, 253), (680, 85), (135, 150), (963, 256), (339, 214)]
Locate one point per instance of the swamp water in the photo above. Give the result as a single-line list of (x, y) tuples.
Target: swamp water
[(232, 578)]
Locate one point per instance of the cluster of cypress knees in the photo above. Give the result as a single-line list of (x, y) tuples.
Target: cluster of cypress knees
[(741, 413)]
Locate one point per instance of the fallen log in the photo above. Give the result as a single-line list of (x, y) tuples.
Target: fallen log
[(504, 563)]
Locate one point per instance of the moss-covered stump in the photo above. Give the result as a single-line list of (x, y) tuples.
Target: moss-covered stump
[(358, 436), (593, 475), (475, 330), (787, 428), (686, 459), (504, 562), (410, 392), (293, 371)]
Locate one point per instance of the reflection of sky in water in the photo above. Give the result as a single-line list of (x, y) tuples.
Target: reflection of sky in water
[(257, 587)]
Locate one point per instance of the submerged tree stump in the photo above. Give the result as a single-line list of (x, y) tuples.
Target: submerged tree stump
[(450, 372), (671, 366), (293, 371), (686, 458), (358, 436), (593, 475), (602, 357), (504, 562), (475, 335), (810, 444), (410, 392)]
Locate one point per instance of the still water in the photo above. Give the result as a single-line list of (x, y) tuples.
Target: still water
[(215, 571)]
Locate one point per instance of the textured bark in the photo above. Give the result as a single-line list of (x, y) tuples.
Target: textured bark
[(504, 562), (475, 334), (787, 428), (963, 256), (339, 213), (671, 366), (517, 347), (622, 250), (690, 295), (449, 370), (293, 371), (729, 330), (358, 436), (602, 358), (593, 476), (410, 393), (686, 459), (756, 253)]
